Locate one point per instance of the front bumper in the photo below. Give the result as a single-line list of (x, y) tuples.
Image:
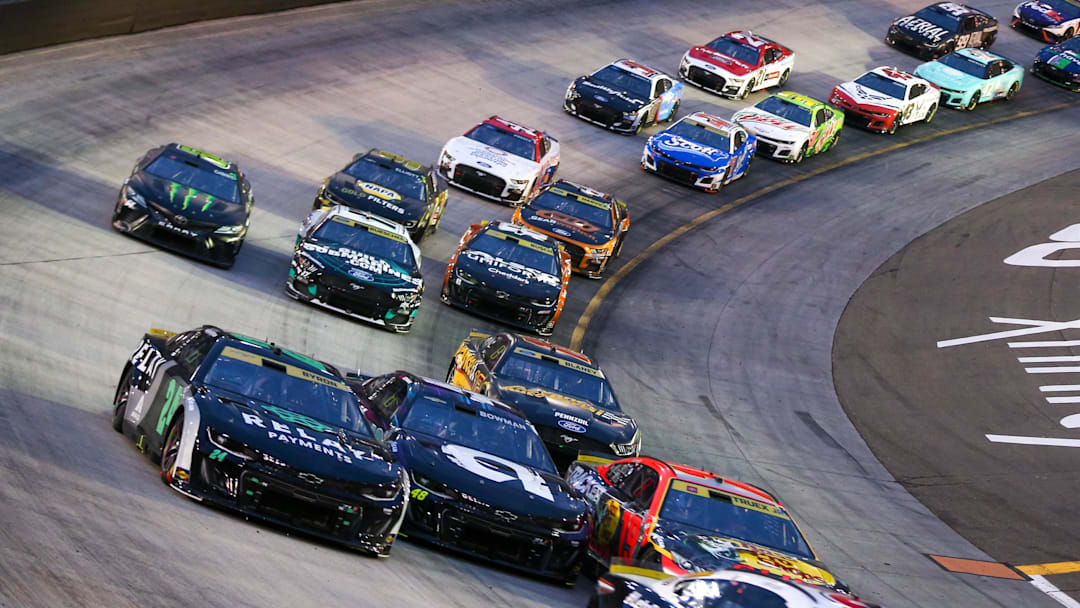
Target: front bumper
[(482, 183), (1036, 31), (865, 119), (598, 114), (703, 78), (365, 303), (784, 151), (511, 310), (1056, 75), (688, 175), (158, 227), (954, 98), (915, 47)]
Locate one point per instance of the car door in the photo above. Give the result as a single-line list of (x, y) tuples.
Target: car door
[(669, 95), (913, 106), (740, 152), (772, 67), (167, 393)]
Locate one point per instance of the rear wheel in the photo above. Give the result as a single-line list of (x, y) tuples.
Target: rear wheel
[(674, 109), (930, 114), (1012, 91), (747, 90), (1069, 33), (895, 123), (171, 450), (123, 390), (974, 101), (989, 40)]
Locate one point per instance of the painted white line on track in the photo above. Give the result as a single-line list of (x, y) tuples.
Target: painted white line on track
[(1064, 359), (1059, 388), (1058, 369), (1046, 587), (1034, 327), (1060, 442), (1048, 344), (1063, 399)]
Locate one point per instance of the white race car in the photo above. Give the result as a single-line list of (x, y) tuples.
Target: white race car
[(501, 160), (737, 64), (886, 98), (790, 126)]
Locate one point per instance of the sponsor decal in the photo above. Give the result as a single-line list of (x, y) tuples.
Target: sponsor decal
[(491, 155), (362, 275), (675, 143), (177, 229), (296, 435), (503, 420), (362, 261), (760, 557), (569, 418), (868, 95), (499, 470), (377, 190), (378, 198), (614, 92), (572, 427), (768, 120), (512, 270), (1045, 9), (540, 393), (922, 27)]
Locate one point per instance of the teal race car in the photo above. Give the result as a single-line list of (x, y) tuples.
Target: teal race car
[(969, 77)]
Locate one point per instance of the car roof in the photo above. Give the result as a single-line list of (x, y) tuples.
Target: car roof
[(697, 476), (272, 351), (396, 159), (750, 38), (951, 8), (209, 161), (983, 57), (520, 129), (638, 69), (799, 99), (580, 190), (457, 396), (552, 350), (367, 219), (713, 121), (516, 230), (884, 70)]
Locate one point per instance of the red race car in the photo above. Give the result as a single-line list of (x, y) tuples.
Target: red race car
[(737, 64)]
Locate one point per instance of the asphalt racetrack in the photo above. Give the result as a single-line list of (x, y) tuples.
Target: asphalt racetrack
[(720, 343)]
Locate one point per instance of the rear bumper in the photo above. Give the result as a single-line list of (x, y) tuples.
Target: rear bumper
[(395, 319)]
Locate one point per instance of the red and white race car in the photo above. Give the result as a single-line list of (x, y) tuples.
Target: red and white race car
[(501, 160), (886, 98), (737, 64)]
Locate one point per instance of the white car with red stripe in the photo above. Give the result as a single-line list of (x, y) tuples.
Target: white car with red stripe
[(737, 64), (886, 98)]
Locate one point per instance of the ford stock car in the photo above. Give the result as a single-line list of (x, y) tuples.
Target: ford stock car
[(390, 186), (590, 225), (789, 126), (885, 98), (509, 273), (1049, 20), (561, 391), (187, 201), (357, 264), (701, 151), (971, 76), (258, 429), (624, 96), (501, 160), (1060, 64), (482, 482), (682, 520), (737, 64), (942, 28)]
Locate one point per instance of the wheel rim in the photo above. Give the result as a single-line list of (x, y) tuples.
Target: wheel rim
[(930, 114), (974, 101), (1012, 91), (784, 77), (172, 446)]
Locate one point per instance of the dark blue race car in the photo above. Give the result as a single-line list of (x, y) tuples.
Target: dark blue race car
[(1060, 64), (701, 151)]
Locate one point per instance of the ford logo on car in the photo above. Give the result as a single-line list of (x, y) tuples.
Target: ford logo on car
[(571, 426)]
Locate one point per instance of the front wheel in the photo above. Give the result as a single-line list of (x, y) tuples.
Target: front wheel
[(123, 390), (801, 155), (1012, 91), (1069, 33), (930, 114), (974, 101), (895, 124), (783, 78), (171, 450)]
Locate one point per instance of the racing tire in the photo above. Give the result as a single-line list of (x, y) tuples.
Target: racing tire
[(801, 155), (640, 126), (123, 389), (895, 124), (1012, 91), (746, 91), (974, 101), (986, 43), (450, 372), (930, 114), (171, 448), (783, 78), (835, 140), (618, 247), (1069, 33), (674, 109)]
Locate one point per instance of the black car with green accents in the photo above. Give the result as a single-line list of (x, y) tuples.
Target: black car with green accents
[(251, 426), (188, 201)]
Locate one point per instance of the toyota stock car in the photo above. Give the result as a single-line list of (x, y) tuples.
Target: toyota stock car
[(1049, 20), (885, 98), (789, 126), (942, 28), (701, 151), (624, 96), (737, 64), (969, 77)]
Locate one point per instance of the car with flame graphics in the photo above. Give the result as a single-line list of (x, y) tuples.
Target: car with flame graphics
[(590, 224), (1060, 64), (482, 482), (187, 201), (1048, 20), (561, 391), (700, 151), (942, 28), (624, 96), (682, 520), (737, 64), (790, 127), (886, 98), (501, 160), (389, 186), (969, 77), (262, 430), (510, 274)]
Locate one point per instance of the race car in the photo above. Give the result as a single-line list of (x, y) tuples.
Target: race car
[(1049, 20), (561, 391), (624, 96), (357, 264), (590, 225), (626, 586), (259, 429), (789, 126), (885, 98), (1060, 64), (390, 186), (970, 76), (702, 151), (188, 201), (501, 160), (941, 28), (509, 273), (482, 482), (737, 64), (681, 520)]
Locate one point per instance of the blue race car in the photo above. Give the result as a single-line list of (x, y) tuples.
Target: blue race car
[(1060, 64), (701, 151), (970, 76)]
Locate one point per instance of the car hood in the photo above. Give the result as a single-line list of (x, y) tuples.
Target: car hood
[(1040, 14), (684, 150), (511, 277), (372, 197), (726, 65), (608, 96), (947, 77), (769, 125), (489, 159), (560, 225), (359, 266), (188, 202), (1058, 57), (869, 97), (921, 29), (576, 416)]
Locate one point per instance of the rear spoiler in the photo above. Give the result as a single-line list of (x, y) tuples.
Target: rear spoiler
[(595, 459), (476, 334), (161, 333), (627, 569)]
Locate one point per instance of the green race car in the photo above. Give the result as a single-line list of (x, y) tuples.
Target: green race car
[(789, 126)]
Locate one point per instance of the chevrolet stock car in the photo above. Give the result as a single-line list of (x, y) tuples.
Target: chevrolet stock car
[(1060, 64), (701, 151), (258, 429), (510, 274), (683, 520), (590, 225), (390, 186), (737, 64), (501, 160), (971, 76), (561, 391), (789, 126), (624, 96), (1049, 20), (188, 201), (942, 28), (482, 481), (885, 98), (357, 264)]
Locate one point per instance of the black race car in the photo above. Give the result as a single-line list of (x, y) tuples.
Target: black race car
[(941, 28), (509, 273), (1060, 64), (483, 483), (188, 201), (389, 186), (624, 96), (561, 391), (259, 429), (357, 264)]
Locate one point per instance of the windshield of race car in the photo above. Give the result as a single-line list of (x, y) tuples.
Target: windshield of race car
[(215, 182), (882, 85), (940, 18), (733, 516), (966, 65), (388, 175), (618, 78), (578, 206), (701, 133), (371, 240), (486, 430), (736, 50), (560, 376), (503, 139), (785, 109), (525, 252), (275, 382)]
